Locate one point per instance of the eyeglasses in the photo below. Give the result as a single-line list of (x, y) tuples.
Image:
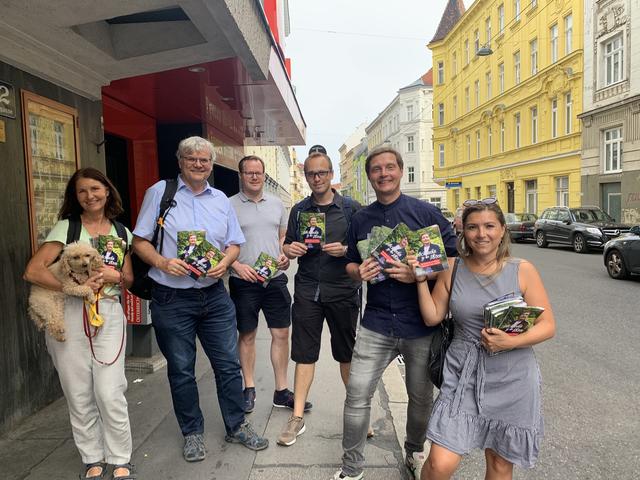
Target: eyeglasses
[(318, 173), (486, 201), (193, 160), (253, 174)]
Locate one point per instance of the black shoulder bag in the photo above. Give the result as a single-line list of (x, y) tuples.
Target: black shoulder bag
[(142, 284), (441, 340)]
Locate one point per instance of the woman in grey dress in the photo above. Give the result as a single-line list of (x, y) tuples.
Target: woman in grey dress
[(487, 402)]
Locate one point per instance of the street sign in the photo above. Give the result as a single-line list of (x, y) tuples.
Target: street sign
[(453, 184)]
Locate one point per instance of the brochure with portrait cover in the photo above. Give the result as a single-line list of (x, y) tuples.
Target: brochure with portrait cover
[(266, 267), (198, 253), (112, 250), (312, 230), (395, 246), (428, 247)]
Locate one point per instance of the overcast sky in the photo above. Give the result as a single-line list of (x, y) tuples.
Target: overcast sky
[(345, 78)]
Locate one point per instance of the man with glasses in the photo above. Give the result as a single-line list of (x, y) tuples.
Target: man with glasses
[(263, 220), (323, 290), (392, 323), (183, 307)]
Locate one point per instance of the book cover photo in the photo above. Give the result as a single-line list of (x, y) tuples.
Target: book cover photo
[(199, 254), (312, 230), (428, 248), (266, 267), (111, 249)]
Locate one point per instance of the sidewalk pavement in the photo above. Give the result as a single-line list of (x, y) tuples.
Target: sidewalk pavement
[(42, 448)]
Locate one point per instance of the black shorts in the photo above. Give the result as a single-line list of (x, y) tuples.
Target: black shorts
[(249, 298), (307, 322)]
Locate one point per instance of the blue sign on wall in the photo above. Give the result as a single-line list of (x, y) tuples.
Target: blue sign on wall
[(7, 100)]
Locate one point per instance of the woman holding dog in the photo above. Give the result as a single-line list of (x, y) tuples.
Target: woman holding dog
[(90, 361), (491, 402)]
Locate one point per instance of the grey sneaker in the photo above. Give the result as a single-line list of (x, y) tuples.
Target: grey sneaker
[(294, 427), (194, 449), (414, 463), (248, 437), (341, 476)]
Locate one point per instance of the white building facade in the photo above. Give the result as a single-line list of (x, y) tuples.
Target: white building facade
[(406, 125), (610, 171)]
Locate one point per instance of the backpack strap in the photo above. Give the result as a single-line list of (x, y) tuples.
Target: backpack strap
[(166, 204), (347, 209), (74, 229)]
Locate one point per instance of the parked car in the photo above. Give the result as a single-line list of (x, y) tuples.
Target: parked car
[(582, 228), (520, 225), (622, 254), (448, 214)]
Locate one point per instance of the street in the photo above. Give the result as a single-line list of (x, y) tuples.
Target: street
[(591, 381)]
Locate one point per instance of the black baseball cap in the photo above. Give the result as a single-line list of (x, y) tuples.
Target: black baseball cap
[(317, 148)]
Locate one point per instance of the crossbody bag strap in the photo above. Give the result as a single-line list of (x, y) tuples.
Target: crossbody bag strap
[(453, 279)]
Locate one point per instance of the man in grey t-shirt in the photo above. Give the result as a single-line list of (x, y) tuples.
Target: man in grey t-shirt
[(263, 220)]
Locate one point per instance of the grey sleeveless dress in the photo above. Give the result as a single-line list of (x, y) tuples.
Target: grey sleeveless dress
[(487, 401)]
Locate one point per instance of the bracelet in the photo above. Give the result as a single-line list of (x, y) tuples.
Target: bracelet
[(121, 281)]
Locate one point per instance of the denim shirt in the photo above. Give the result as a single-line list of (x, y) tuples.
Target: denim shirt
[(392, 307)]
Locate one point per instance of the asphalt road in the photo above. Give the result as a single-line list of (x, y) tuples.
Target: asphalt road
[(590, 370)]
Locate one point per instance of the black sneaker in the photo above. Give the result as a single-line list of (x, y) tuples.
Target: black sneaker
[(284, 399), (249, 395)]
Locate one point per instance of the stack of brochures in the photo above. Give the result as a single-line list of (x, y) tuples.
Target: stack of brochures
[(387, 245), (511, 314)]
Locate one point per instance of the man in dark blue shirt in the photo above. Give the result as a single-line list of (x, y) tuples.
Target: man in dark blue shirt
[(392, 323)]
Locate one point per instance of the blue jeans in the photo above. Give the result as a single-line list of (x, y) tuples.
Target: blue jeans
[(371, 356), (178, 316)]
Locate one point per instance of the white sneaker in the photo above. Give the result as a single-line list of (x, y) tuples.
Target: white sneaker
[(341, 476), (414, 464)]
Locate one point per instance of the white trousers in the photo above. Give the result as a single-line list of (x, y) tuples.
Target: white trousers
[(94, 392)]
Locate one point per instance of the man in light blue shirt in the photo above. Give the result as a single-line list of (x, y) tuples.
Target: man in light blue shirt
[(183, 307)]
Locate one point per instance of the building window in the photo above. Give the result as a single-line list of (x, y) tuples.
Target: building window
[(488, 80), (501, 77), (454, 63), (456, 197), (411, 177), (478, 192), (441, 155), (489, 140), (441, 114), (533, 49), (562, 191), (531, 196), (409, 113), (476, 91), (516, 121), (466, 52), (534, 4), (467, 193), (466, 99), (455, 107), (568, 34), (476, 41), (477, 143), (487, 28), (613, 50), (516, 9), (534, 125), (613, 150), (492, 191), (410, 143), (554, 118), (440, 73), (468, 138), (568, 113), (502, 136), (516, 67), (500, 18), (553, 34)]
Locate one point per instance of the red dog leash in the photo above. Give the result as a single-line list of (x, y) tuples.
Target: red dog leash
[(90, 335)]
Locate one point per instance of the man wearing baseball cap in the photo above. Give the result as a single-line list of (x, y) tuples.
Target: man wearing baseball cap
[(317, 148)]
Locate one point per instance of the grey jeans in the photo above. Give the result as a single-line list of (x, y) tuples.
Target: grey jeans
[(372, 354)]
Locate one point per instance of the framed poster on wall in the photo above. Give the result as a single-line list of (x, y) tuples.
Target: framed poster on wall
[(51, 156)]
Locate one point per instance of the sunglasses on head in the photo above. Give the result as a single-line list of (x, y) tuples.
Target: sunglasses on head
[(486, 201)]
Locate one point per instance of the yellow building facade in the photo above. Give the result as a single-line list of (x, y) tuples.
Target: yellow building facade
[(505, 124)]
